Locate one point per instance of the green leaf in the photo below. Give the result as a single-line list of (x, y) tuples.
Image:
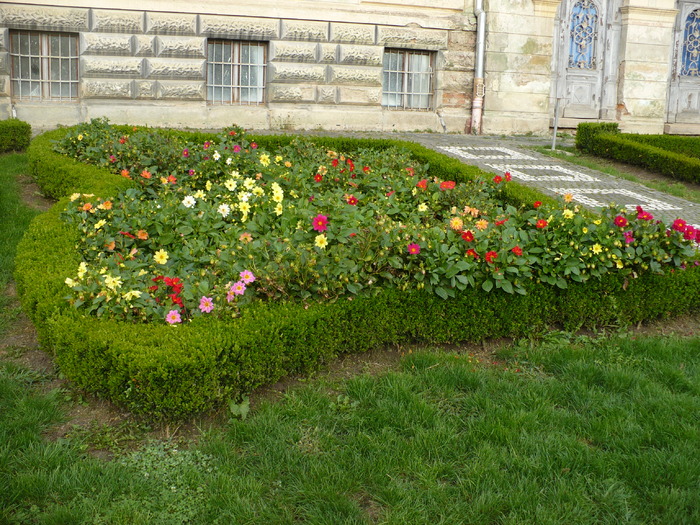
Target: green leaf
[(441, 292), (240, 409), (487, 285), (507, 287)]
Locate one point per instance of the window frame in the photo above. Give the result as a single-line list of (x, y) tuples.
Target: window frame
[(406, 96), (256, 92), (40, 84)]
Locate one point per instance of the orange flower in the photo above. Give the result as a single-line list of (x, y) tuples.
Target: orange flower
[(142, 234), (245, 237), (106, 205), (481, 224), (110, 246), (146, 174), (456, 223), (125, 173), (568, 197), (86, 207)]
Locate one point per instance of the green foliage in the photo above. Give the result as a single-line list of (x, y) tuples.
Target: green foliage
[(15, 135), (174, 371), (586, 131), (676, 157)]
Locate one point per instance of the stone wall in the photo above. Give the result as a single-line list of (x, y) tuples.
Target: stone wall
[(142, 66)]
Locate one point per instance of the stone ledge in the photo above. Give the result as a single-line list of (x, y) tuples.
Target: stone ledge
[(305, 30), (44, 18), (171, 24), (243, 28), (428, 39)]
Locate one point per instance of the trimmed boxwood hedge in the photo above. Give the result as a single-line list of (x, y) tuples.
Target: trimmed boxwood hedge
[(15, 135), (172, 372), (603, 140)]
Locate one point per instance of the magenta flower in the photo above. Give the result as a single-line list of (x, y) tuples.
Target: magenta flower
[(320, 223), (247, 276), (413, 249), (237, 288), (620, 221), (236, 149), (679, 225), (206, 304), (191, 172), (173, 317), (629, 237), (253, 145), (185, 152)]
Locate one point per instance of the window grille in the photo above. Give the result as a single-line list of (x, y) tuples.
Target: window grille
[(44, 65), (690, 63), (235, 72), (584, 35), (408, 79)]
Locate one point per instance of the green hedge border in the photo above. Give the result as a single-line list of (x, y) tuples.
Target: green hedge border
[(15, 135), (604, 140), (172, 372)]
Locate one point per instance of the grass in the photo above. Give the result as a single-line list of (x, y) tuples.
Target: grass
[(14, 219), (570, 430), (674, 188)]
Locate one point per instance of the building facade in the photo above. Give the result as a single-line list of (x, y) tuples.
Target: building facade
[(465, 66)]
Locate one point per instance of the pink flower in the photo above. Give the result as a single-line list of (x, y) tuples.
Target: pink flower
[(191, 172), (679, 225), (620, 221), (207, 144), (173, 317), (237, 288), (247, 276), (413, 249), (689, 233), (236, 149), (352, 200), (206, 304), (629, 237), (253, 145), (185, 152), (320, 223)]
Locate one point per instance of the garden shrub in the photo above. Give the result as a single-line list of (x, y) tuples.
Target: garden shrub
[(172, 372), (15, 135), (676, 157)]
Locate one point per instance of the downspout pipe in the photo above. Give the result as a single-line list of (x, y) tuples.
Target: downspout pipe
[(479, 87)]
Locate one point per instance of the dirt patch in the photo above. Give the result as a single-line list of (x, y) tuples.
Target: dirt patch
[(31, 194)]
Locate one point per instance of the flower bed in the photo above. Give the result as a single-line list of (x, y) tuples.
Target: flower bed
[(226, 263)]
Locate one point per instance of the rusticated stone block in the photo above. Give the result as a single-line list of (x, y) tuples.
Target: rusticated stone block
[(172, 89), (461, 40), (353, 33), (328, 53), (144, 46), (4, 63), (245, 28), (458, 60), (114, 21), (175, 68), (356, 75), (305, 30), (171, 24), (178, 46), (90, 88), (109, 67), (4, 39), (145, 89), (292, 93), (44, 18), (5, 87), (367, 96), (361, 55), (326, 94), (283, 51), (105, 44), (283, 72), (415, 38)]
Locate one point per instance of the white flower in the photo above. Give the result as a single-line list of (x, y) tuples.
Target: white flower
[(224, 210), (82, 270), (243, 196), (74, 196), (189, 201), (235, 174), (422, 207), (216, 155), (278, 209), (229, 160), (131, 294), (70, 282), (258, 191)]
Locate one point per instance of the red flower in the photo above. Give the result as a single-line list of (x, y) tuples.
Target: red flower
[(334, 163), (351, 164), (498, 179), (679, 225), (620, 221), (320, 223), (517, 251), (389, 194), (410, 171), (253, 145), (122, 140), (352, 200), (146, 174), (490, 256), (447, 185), (318, 177), (176, 299), (508, 176), (501, 222), (366, 169), (172, 179), (422, 184), (468, 235), (690, 233), (644, 215), (541, 223), (127, 234), (536, 204), (472, 253), (413, 249)]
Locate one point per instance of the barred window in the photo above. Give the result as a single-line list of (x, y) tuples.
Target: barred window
[(408, 79), (690, 60), (44, 65), (235, 72)]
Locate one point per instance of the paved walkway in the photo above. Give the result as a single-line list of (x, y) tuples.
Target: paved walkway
[(590, 188)]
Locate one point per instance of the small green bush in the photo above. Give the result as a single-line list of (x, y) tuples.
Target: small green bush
[(15, 135), (587, 130), (171, 372)]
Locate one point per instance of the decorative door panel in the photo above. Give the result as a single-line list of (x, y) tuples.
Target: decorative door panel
[(684, 92)]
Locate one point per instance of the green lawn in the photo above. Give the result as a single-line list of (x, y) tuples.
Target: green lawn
[(569, 430)]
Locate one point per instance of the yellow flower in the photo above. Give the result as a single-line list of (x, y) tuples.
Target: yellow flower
[(481, 224), (161, 257), (230, 184), (70, 282), (619, 263), (244, 207), (456, 223), (131, 294), (258, 191), (278, 209), (80, 137), (208, 185), (597, 248), (422, 207), (321, 241), (597, 222), (265, 160), (249, 183), (288, 164), (100, 223), (74, 197), (82, 270), (568, 197), (112, 282), (568, 214), (585, 230)]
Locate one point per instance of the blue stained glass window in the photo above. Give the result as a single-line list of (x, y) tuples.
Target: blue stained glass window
[(583, 35), (690, 59)]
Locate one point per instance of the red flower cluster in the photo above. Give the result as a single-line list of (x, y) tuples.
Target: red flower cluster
[(422, 184), (447, 185), (175, 285), (468, 235), (536, 204), (352, 200), (517, 251), (498, 179), (541, 223), (471, 252), (490, 256)]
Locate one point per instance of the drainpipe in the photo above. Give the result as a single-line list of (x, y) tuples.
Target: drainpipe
[(479, 88)]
